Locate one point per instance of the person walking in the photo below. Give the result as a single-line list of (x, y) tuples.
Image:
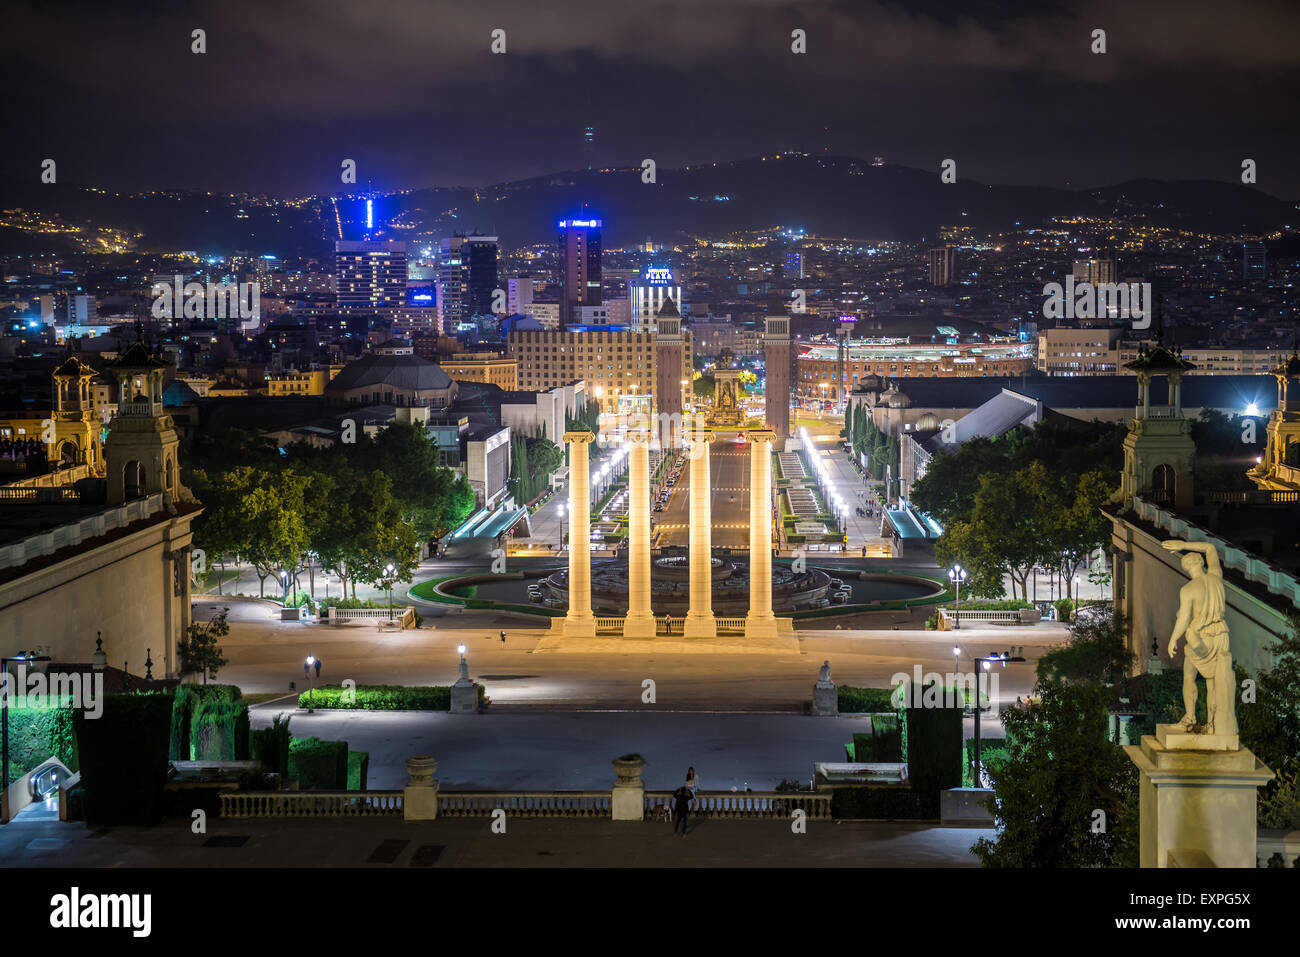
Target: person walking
[(681, 809), (503, 637), (693, 783), (317, 667)]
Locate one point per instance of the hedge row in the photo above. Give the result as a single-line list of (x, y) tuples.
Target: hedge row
[(865, 700), (319, 765), (219, 731), (271, 746), (358, 767), (382, 697)]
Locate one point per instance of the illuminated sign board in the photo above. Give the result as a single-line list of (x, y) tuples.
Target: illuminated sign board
[(580, 223), (848, 319), (370, 214), (659, 277)]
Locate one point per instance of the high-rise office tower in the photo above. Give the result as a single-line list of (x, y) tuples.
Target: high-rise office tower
[(579, 265), (467, 276), (519, 295), (370, 275), (794, 265), (942, 265), (776, 360), (1253, 261), (648, 293)]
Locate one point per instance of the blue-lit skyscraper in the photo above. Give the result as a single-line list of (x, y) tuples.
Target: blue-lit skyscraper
[(579, 264)]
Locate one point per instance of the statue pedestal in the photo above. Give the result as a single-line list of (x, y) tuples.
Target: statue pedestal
[(826, 699), (1197, 796)]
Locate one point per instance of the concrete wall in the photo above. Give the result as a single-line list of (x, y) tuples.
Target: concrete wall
[(124, 588), (1148, 596)]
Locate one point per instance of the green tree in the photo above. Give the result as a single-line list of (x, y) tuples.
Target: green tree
[(1060, 769), (198, 651)]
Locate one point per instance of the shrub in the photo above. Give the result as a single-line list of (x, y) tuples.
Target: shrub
[(271, 746), (887, 736), (38, 734), (993, 752), (184, 702), (123, 756), (933, 747), (865, 700), (319, 764), (1064, 609), (358, 765), (219, 731), (381, 698)]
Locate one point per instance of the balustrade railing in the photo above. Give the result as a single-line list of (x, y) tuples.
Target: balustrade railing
[(524, 803), (246, 804), (747, 804)]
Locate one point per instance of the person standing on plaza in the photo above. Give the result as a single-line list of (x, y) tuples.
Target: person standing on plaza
[(681, 809)]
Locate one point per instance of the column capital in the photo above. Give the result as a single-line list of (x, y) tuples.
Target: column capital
[(579, 438), (761, 435), (639, 436), (699, 435)]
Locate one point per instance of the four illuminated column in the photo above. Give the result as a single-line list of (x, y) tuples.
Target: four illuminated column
[(699, 621), (640, 622), (579, 620), (760, 620)]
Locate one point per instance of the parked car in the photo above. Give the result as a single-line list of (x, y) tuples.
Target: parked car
[(837, 584), (819, 603)]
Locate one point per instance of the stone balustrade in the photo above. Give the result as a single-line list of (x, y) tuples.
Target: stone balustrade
[(248, 804), (524, 803), (748, 805), (1283, 843), (74, 533), (1255, 569), (403, 615)]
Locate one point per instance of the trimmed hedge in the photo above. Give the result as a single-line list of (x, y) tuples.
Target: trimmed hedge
[(993, 751), (123, 756), (358, 766), (384, 697), (865, 700), (184, 702), (933, 745), (38, 734), (219, 731), (271, 746), (319, 765)]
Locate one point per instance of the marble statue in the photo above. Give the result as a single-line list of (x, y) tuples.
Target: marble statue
[(1200, 620)]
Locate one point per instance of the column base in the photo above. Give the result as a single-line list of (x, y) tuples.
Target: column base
[(700, 627), (1196, 805), (639, 627), (575, 627), (761, 628)]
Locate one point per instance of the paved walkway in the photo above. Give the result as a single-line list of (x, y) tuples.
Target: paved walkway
[(462, 842), (573, 750)]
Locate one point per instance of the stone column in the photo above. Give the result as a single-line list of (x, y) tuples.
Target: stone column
[(420, 796), (699, 621), (579, 620), (760, 620), (640, 622)]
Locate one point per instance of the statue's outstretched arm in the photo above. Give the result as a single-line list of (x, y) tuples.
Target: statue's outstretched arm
[(1205, 548)]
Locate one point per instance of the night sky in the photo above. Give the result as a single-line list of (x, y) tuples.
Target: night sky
[(1187, 89)]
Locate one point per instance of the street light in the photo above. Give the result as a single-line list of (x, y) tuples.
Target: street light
[(284, 587), (311, 686), (389, 571), (986, 663), (561, 526), (957, 575)]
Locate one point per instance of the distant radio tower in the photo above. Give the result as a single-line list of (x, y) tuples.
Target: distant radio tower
[(589, 144)]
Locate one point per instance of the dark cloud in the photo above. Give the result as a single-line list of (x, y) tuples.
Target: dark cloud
[(411, 91)]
